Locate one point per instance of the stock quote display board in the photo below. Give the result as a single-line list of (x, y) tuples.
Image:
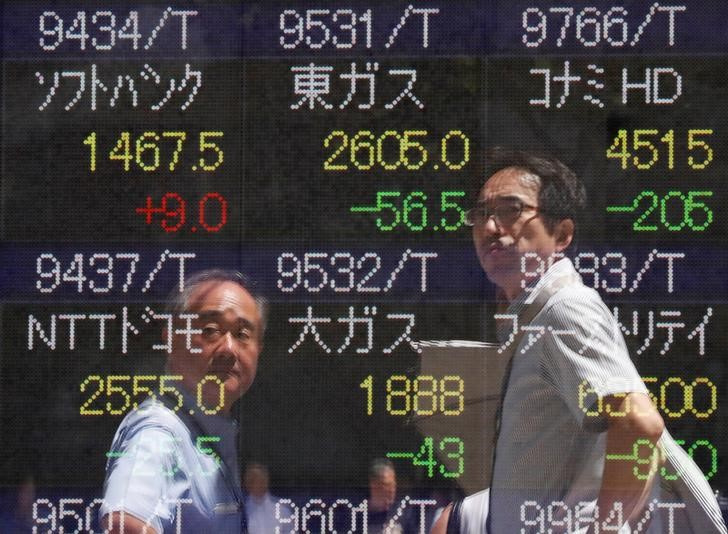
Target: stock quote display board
[(329, 151)]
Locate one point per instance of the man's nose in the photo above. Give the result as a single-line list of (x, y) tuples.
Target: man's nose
[(491, 226), (227, 343)]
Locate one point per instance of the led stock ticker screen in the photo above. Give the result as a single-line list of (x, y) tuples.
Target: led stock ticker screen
[(330, 151)]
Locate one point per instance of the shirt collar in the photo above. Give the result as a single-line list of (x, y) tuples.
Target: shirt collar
[(562, 267), (221, 425), (218, 424)]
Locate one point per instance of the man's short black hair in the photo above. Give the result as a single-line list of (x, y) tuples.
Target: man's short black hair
[(561, 195)]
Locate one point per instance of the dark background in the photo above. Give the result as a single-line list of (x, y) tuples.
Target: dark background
[(304, 416)]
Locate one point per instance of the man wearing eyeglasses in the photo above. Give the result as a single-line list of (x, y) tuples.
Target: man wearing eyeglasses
[(173, 466), (572, 402)]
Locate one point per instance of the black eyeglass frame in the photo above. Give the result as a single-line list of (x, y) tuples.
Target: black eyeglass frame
[(487, 213)]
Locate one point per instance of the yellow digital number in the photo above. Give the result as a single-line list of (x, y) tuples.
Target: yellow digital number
[(699, 145), (111, 389), (329, 164), (147, 143), (84, 410), (584, 392), (700, 153), (122, 150), (425, 387), (207, 145), (398, 394), (180, 137), (639, 143), (165, 389), (137, 388)]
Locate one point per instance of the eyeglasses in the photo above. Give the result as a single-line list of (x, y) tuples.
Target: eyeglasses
[(505, 213)]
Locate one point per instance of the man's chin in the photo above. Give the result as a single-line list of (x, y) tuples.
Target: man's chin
[(498, 270), (234, 389), (217, 399), (501, 275), (224, 391)]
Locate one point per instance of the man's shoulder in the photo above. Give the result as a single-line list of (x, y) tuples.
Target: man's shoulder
[(578, 293), (562, 284), (576, 298), (152, 416), (577, 308)]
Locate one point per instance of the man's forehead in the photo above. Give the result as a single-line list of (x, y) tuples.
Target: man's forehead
[(500, 199), (218, 296), (256, 471), (510, 183), (386, 473)]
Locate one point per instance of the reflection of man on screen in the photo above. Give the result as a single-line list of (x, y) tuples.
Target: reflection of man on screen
[(260, 505), (173, 462), (573, 404), (383, 515)]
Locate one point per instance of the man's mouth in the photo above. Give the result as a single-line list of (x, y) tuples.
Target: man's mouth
[(496, 247), (224, 372)]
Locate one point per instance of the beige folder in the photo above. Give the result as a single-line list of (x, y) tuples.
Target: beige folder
[(481, 369)]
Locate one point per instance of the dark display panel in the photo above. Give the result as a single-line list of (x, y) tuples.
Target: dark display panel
[(330, 151)]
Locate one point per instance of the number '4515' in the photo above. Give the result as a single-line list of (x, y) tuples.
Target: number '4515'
[(643, 148)]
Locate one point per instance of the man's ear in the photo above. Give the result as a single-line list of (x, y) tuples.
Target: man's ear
[(564, 233)]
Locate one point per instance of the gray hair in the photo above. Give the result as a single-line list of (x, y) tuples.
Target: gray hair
[(378, 466), (179, 301)]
